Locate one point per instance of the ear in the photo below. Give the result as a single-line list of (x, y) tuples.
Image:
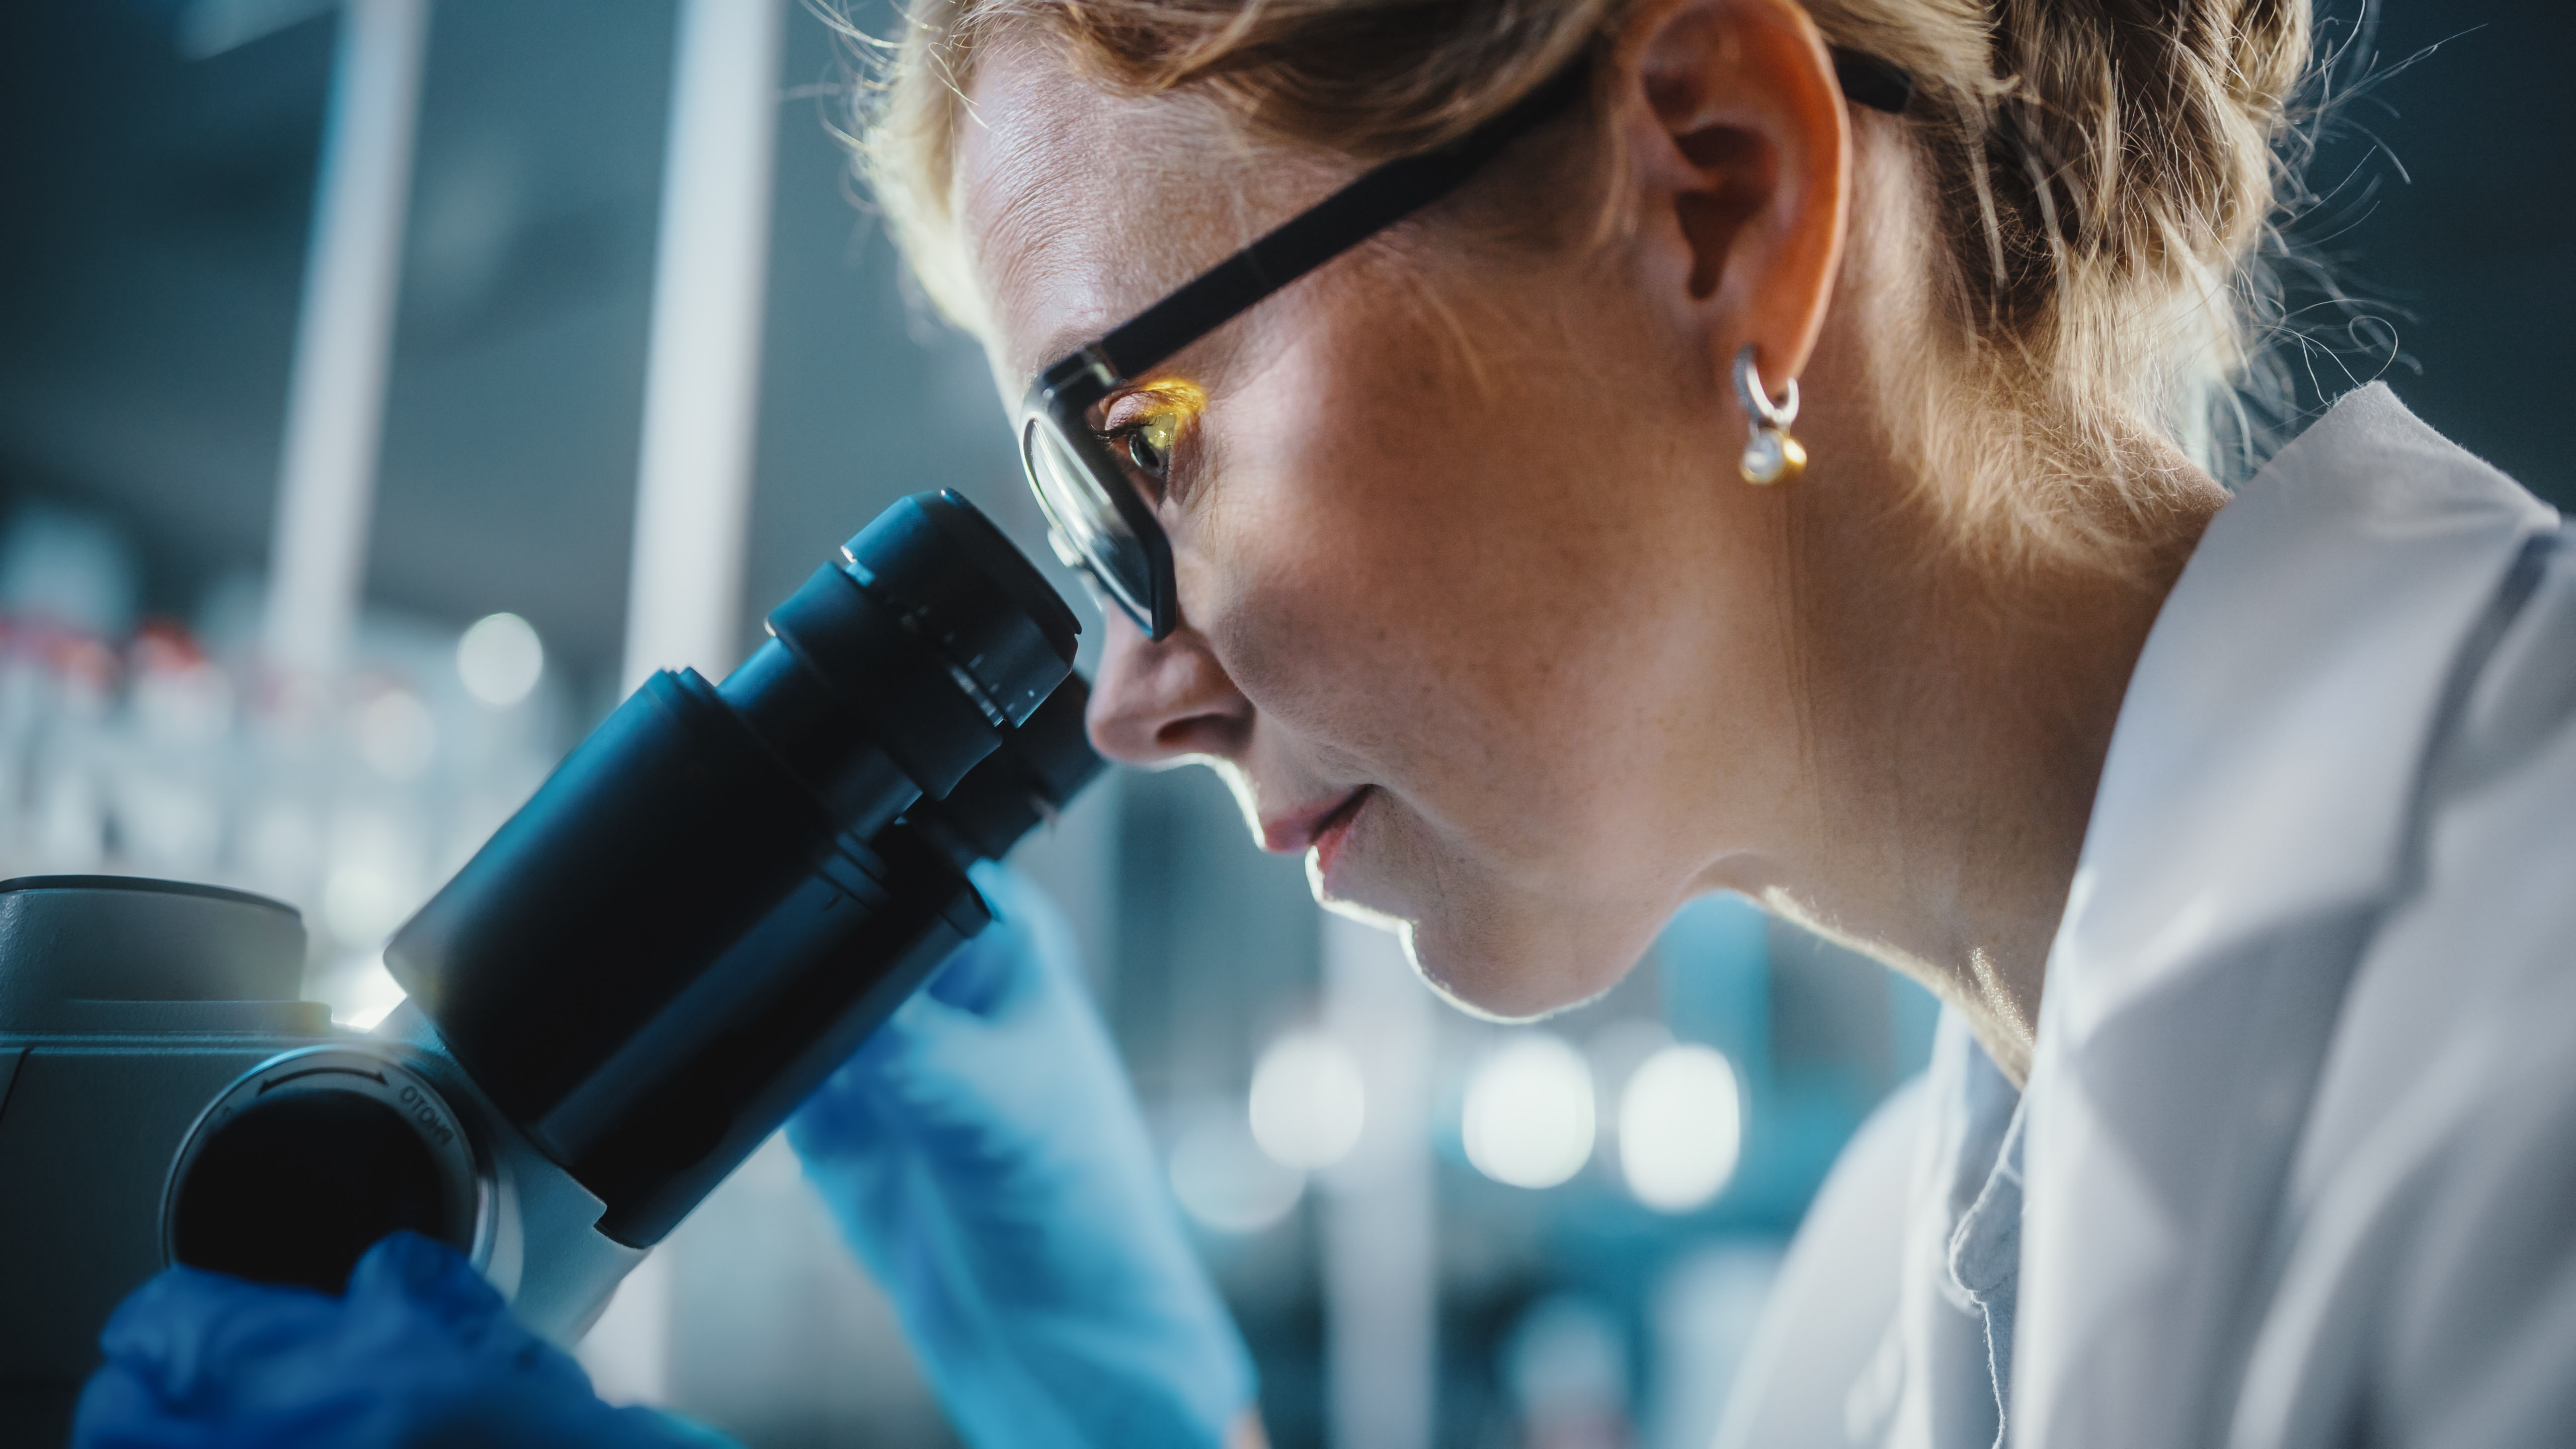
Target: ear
[(1739, 158)]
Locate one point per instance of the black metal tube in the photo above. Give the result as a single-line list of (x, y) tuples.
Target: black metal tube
[(708, 904)]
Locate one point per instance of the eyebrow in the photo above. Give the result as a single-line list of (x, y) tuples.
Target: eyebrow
[(1063, 342), (1059, 344)]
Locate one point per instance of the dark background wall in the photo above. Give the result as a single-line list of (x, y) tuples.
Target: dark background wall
[(153, 214), (2446, 187), (151, 251), (152, 227)]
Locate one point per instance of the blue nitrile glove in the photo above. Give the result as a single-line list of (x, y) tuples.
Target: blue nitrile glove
[(985, 1158), (419, 1352)]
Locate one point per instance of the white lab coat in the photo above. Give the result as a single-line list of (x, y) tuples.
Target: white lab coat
[(2298, 1163)]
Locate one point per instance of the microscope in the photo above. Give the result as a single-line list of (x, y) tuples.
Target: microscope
[(707, 907)]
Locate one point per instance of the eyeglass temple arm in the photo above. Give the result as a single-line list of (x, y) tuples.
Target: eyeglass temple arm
[(1385, 195)]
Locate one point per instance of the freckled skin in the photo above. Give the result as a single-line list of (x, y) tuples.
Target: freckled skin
[(1406, 593), (1461, 524), (1488, 620)]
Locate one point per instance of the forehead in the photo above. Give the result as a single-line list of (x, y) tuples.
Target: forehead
[(1079, 208)]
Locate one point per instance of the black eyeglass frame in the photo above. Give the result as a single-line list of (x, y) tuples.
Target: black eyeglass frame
[(1065, 393)]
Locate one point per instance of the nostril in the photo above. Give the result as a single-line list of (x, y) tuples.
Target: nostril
[(1205, 734), (1155, 701)]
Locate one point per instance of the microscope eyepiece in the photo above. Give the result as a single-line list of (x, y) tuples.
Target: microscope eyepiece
[(997, 622), (1036, 772), (890, 675), (708, 905)]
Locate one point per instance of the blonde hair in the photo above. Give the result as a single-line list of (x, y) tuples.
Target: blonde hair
[(2085, 184)]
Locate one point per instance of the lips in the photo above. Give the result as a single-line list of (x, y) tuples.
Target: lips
[(1288, 834), (1336, 829)]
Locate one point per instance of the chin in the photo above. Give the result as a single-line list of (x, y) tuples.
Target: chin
[(1492, 966), (1515, 986), (1491, 946)]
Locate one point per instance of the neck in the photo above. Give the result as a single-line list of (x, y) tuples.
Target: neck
[(1959, 714)]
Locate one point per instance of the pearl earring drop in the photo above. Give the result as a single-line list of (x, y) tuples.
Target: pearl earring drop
[(1771, 455)]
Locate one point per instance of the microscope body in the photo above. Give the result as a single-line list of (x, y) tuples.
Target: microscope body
[(125, 1008), (702, 912), (164, 1096), (139, 1020)]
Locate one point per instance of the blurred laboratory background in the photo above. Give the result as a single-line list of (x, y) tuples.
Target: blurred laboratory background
[(332, 510)]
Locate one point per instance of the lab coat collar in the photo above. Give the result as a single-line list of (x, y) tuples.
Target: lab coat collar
[(2252, 813), (2283, 701), (1941, 1379)]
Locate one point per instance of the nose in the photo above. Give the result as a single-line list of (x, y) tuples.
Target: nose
[(1156, 702)]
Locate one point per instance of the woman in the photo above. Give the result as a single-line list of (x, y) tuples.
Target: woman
[(1749, 446), (1480, 559)]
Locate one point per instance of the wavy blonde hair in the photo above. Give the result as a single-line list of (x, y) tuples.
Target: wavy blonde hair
[(2060, 251)]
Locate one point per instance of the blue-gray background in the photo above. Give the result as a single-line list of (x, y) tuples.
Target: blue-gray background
[(153, 221)]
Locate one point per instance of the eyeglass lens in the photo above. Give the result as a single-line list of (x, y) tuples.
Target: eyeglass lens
[(1087, 529)]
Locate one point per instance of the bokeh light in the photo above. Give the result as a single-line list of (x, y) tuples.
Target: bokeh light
[(1681, 1127), (1529, 1118), (1308, 1102), (360, 991), (500, 659)]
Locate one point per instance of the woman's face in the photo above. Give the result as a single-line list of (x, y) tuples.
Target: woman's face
[(1475, 611)]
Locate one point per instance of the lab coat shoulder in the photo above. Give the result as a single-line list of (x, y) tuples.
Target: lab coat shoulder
[(2301, 1134), (2300, 1013), (2427, 1283)]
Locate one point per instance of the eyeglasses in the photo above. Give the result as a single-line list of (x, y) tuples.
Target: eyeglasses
[(1097, 515)]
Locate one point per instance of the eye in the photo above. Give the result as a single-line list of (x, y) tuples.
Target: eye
[(1143, 432), (1151, 459), (1148, 441)]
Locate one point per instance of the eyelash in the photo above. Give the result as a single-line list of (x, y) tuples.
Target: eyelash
[(1120, 440)]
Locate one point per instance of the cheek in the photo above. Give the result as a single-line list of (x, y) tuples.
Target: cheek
[(1471, 592), (1359, 572), (1477, 530), (1414, 578)]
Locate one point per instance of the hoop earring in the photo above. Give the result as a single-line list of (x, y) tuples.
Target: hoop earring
[(1770, 455)]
